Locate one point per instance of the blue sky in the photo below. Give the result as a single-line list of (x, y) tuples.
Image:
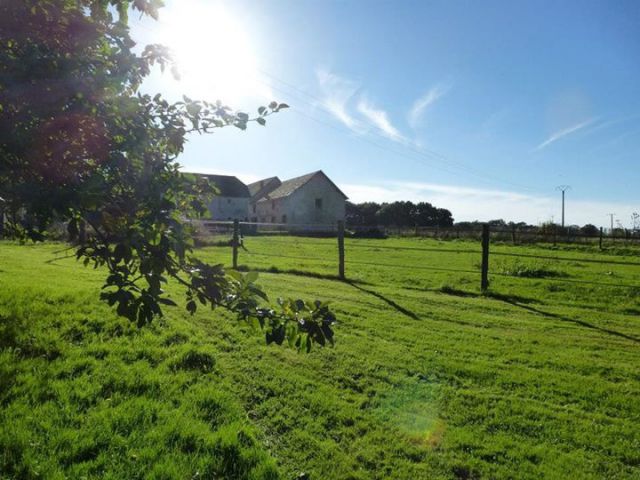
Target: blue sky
[(479, 107)]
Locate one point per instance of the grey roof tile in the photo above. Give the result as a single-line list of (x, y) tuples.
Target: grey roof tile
[(256, 187), (228, 185)]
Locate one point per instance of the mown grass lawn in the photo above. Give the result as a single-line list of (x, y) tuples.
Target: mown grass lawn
[(429, 379)]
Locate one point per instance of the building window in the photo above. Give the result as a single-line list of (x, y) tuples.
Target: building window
[(273, 219), (318, 203), (254, 209), (284, 219), (273, 204)]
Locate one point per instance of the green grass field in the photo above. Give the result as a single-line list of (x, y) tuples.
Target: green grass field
[(539, 378)]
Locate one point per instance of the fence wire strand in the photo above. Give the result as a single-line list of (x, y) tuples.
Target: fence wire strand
[(311, 241)]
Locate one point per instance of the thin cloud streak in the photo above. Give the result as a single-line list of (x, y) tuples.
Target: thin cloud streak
[(339, 96), (380, 120), (421, 104), (563, 133), (337, 93)]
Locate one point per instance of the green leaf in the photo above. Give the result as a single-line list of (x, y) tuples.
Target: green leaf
[(258, 292), (261, 121), (251, 276), (120, 252), (167, 301), (237, 276), (192, 307)]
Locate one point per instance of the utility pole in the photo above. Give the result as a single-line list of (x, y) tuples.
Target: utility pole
[(563, 188), (611, 215)]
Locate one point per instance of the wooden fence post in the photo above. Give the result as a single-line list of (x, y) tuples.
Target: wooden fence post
[(600, 238), (235, 242), (484, 280), (341, 249)]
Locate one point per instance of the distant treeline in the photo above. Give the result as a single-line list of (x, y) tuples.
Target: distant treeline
[(397, 214), (545, 228), (423, 214)]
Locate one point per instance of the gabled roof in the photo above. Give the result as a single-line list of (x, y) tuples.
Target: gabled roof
[(262, 187), (228, 185), (289, 186)]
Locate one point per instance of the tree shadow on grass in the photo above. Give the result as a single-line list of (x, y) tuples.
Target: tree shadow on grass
[(575, 321), (296, 272), (53, 260), (388, 301), (357, 284), (569, 280), (569, 259), (509, 298), (521, 302)]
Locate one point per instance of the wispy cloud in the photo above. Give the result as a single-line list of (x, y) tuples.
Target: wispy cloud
[(554, 137), (379, 119), (342, 98), (337, 92), (422, 103)]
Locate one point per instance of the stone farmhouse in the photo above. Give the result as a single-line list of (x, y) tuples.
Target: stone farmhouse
[(311, 199), (233, 199)]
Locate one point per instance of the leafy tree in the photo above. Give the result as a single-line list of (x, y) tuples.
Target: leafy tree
[(500, 223), (79, 143), (408, 214), (635, 221), (399, 214), (361, 213), (444, 218), (590, 230), (425, 214)]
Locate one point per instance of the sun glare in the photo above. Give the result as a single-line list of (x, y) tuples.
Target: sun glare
[(212, 51)]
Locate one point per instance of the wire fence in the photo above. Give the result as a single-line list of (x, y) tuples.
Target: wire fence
[(330, 257), (515, 235)]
